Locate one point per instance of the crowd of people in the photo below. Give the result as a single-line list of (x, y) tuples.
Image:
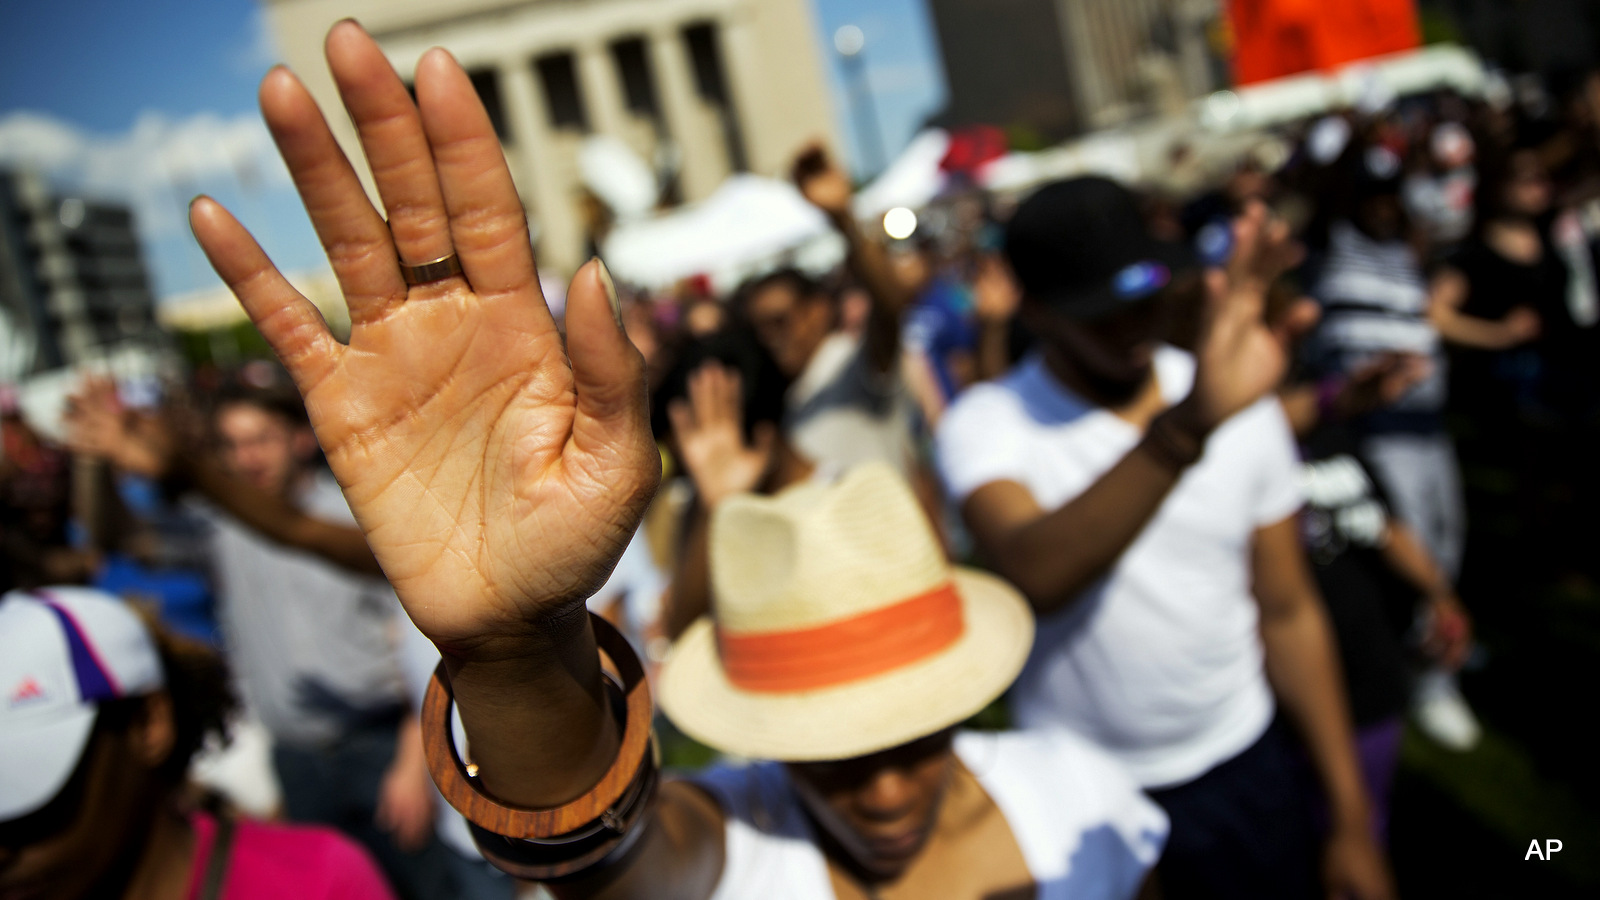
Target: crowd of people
[(1193, 493)]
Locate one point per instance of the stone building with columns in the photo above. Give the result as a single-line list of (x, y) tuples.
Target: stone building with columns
[(699, 89)]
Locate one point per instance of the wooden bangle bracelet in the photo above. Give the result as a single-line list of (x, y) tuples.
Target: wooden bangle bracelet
[(559, 822)]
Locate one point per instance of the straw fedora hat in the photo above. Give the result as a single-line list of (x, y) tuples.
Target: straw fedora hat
[(838, 628)]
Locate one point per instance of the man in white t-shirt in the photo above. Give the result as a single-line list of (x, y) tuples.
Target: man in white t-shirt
[(1144, 500)]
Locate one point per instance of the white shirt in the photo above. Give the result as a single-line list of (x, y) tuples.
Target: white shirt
[(841, 413), (1160, 662), (1085, 830), (313, 646)]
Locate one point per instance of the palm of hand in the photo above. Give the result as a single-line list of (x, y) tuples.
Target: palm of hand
[(1242, 357), (496, 471), (448, 424), (721, 463), (1241, 363), (707, 427)]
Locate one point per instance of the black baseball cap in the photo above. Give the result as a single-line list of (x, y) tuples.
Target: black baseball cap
[(1081, 246)]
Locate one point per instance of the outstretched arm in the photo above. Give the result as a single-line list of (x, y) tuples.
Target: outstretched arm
[(144, 444), (497, 473), (828, 188)]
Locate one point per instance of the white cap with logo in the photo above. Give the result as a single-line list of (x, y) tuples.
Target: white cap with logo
[(63, 652)]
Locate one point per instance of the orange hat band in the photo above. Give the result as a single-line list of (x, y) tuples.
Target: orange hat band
[(844, 651)]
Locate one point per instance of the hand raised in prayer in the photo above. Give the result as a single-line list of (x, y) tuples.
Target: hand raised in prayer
[(711, 439), (1240, 355), (496, 474), (99, 425), (822, 182)]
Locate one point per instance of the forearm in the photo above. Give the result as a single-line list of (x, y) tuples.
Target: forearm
[(869, 263), (1471, 331), (539, 725), (275, 518), (1305, 675), (1058, 555), (689, 598), (1409, 559)]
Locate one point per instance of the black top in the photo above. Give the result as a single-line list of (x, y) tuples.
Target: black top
[(1560, 360), (1344, 524)]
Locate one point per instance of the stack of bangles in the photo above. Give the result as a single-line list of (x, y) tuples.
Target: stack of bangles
[(550, 844)]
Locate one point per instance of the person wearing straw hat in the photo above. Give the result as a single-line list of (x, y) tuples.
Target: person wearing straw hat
[(498, 472)]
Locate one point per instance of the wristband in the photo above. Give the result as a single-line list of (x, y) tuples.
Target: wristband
[(1172, 445), (543, 844)]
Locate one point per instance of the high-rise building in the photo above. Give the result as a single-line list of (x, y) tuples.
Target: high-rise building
[(697, 88), (1047, 69), (72, 280)]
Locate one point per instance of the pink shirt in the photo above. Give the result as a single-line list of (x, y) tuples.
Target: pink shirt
[(270, 862)]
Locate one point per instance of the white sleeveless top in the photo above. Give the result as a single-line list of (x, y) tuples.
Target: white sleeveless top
[(1085, 829)]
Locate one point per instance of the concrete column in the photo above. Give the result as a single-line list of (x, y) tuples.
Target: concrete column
[(690, 123), (539, 177), (601, 88)]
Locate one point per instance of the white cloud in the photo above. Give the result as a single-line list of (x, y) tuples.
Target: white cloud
[(154, 166)]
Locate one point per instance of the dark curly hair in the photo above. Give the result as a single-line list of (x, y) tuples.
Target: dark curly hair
[(202, 698)]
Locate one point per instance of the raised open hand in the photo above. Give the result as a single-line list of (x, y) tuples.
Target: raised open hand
[(99, 425), (711, 439), (496, 482), (1241, 356), (822, 182)]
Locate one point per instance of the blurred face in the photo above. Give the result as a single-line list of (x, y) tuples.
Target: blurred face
[(879, 810), (1381, 217), (77, 845), (790, 326), (1110, 355), (913, 269), (258, 446), (1527, 190)]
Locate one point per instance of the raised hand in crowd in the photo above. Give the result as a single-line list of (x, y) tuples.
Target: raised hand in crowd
[(1242, 354), (135, 441), (497, 474), (151, 444), (827, 186), (710, 435), (822, 182)]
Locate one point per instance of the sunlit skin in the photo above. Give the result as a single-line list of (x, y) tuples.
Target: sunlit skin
[(260, 447), (789, 326), (878, 811), (120, 839)]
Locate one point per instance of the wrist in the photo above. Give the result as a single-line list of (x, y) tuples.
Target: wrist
[(1191, 418), (1175, 438)]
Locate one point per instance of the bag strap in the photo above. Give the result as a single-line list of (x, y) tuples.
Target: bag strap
[(217, 865)]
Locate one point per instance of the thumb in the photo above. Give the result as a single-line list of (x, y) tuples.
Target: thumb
[(607, 370)]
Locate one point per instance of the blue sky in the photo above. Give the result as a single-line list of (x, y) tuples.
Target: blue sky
[(154, 101)]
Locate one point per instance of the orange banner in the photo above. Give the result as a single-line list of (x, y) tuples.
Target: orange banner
[(1274, 38)]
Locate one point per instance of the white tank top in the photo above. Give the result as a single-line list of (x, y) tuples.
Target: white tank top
[(1085, 829)]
